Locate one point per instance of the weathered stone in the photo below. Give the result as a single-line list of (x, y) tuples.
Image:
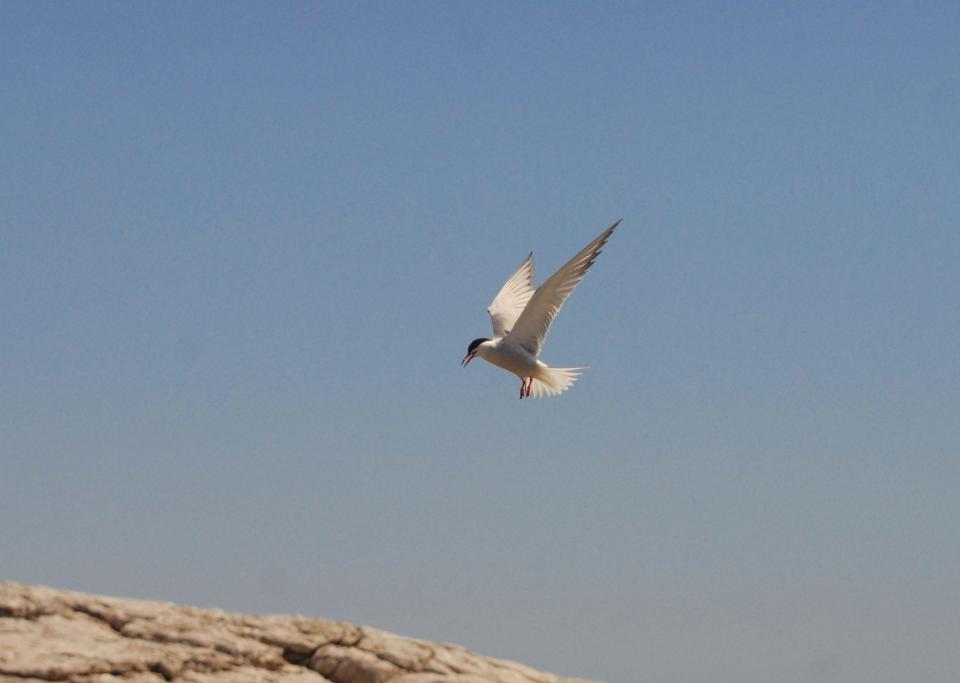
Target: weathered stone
[(56, 635)]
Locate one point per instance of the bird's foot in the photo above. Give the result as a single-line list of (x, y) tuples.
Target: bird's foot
[(526, 383)]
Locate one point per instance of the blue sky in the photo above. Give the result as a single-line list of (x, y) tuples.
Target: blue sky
[(243, 248)]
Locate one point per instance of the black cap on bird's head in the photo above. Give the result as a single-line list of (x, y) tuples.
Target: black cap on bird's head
[(472, 351)]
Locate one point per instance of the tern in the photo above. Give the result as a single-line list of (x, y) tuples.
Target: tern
[(522, 317)]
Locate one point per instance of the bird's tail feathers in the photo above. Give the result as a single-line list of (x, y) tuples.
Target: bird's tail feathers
[(553, 381)]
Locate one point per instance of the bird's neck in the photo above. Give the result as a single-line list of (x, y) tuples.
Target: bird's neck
[(486, 347)]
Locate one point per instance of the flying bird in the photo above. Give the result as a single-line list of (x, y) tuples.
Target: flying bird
[(522, 317)]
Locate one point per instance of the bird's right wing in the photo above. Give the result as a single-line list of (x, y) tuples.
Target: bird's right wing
[(512, 298), (532, 326)]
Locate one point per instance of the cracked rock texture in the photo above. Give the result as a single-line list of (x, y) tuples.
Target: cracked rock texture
[(58, 635)]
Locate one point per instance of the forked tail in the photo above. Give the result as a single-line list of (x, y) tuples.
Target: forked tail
[(552, 381)]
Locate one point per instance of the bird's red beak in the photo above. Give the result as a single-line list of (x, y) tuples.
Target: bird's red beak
[(466, 360)]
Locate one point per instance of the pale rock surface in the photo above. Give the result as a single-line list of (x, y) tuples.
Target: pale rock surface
[(58, 635)]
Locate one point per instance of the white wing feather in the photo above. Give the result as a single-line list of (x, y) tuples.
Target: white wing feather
[(531, 328), (512, 298)]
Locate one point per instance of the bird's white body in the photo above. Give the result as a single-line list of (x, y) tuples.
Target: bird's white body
[(516, 359), (522, 317), (511, 357)]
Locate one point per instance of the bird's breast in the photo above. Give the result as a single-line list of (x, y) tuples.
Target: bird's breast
[(512, 358)]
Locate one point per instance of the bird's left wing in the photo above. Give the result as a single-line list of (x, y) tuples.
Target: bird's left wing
[(532, 326), (512, 298)]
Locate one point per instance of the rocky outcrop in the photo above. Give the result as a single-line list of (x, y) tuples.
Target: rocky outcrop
[(57, 635)]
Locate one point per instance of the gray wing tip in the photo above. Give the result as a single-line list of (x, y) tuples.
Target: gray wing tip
[(602, 240), (605, 235)]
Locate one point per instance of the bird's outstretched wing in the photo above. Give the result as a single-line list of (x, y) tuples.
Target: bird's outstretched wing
[(532, 326), (512, 298)]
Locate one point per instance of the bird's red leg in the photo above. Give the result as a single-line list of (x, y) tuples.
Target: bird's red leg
[(529, 385), (522, 383)]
